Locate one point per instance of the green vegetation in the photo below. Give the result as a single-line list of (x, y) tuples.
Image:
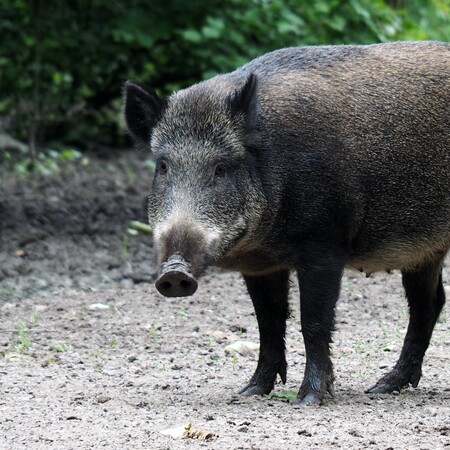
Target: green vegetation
[(287, 395), (23, 341), (23, 338), (137, 227), (43, 163), (62, 64), (60, 346)]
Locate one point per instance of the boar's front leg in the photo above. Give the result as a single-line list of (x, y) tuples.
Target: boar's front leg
[(269, 295), (319, 291)]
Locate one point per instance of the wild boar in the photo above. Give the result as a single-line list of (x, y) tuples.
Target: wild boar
[(308, 159)]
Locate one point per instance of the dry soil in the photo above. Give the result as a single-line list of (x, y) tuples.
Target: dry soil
[(91, 356)]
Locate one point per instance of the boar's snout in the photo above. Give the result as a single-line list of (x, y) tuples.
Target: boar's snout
[(176, 279), (185, 249), (176, 284)]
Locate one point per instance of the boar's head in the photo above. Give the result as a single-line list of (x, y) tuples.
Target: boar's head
[(206, 196)]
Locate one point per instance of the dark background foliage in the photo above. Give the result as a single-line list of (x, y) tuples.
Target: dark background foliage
[(62, 64)]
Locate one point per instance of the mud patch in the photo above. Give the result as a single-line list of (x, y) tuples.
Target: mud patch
[(70, 230)]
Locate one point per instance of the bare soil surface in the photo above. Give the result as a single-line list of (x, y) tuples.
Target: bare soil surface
[(91, 356)]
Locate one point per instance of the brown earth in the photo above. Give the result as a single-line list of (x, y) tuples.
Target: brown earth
[(91, 356)]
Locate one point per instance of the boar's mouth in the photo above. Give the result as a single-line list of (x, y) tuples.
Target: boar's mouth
[(176, 279)]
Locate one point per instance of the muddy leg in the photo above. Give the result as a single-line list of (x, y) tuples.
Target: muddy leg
[(269, 294), (319, 291), (426, 297)]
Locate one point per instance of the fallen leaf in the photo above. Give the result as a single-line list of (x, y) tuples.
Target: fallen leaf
[(177, 432), (242, 347), (195, 433), (188, 432)]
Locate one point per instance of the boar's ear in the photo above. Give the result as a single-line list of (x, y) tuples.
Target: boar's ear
[(244, 100), (143, 108)]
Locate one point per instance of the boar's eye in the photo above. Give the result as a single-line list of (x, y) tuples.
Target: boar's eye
[(162, 167), (220, 170)]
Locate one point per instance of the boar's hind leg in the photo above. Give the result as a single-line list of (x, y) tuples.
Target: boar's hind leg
[(319, 291), (426, 297), (269, 295)]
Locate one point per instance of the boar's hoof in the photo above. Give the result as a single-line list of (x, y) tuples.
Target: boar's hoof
[(176, 284), (395, 381), (312, 398), (255, 389), (382, 388)]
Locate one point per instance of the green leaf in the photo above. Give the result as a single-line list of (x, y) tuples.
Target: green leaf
[(286, 395), (338, 23), (191, 36), (57, 77), (213, 28)]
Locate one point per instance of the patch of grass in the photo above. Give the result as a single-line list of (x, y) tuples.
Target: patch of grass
[(182, 313), (33, 319), (153, 329), (48, 162), (23, 337), (60, 346), (23, 340)]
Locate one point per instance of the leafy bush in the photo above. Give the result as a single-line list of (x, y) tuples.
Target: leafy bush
[(62, 64)]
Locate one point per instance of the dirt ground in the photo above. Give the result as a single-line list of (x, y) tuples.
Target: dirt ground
[(91, 356)]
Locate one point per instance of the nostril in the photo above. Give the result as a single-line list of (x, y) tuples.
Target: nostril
[(166, 285), (185, 284)]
